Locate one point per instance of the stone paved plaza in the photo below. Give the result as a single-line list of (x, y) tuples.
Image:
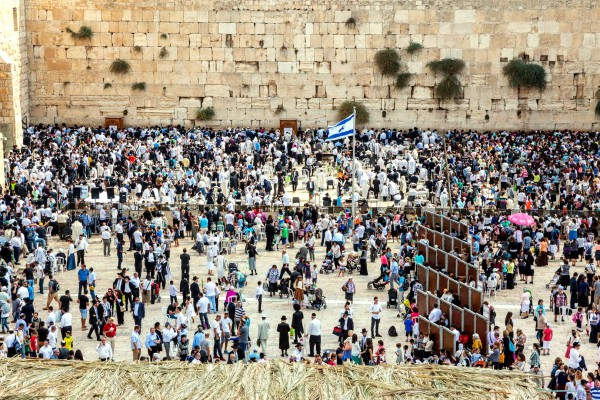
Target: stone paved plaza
[(331, 284)]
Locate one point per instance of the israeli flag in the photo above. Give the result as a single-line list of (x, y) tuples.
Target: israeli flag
[(342, 129)]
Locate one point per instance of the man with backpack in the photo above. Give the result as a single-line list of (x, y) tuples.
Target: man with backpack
[(53, 289)]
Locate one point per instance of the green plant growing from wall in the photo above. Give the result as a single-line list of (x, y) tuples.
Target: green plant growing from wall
[(450, 86), (164, 53), (414, 47), (205, 114), (350, 23), (137, 49), (139, 86), (520, 73), (84, 33), (279, 109), (387, 62), (120, 67), (597, 109), (347, 107), (164, 36), (403, 79), (107, 85)]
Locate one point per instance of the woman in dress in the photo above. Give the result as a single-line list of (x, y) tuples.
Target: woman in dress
[(190, 310), (363, 260), (299, 290)]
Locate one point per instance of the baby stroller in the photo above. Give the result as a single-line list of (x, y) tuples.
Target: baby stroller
[(392, 298), (554, 280), (379, 283), (232, 267), (317, 300), (283, 287), (352, 264), (327, 265)]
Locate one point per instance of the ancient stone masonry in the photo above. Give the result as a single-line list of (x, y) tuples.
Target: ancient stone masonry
[(249, 58)]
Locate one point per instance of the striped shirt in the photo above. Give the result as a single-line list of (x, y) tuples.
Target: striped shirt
[(595, 393)]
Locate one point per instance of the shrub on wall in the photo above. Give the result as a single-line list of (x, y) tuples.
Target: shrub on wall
[(84, 33), (163, 53), (107, 85), (414, 47), (347, 107), (120, 67), (350, 23), (205, 114), (448, 88), (523, 74), (597, 110), (387, 62), (446, 66), (402, 80), (139, 86)]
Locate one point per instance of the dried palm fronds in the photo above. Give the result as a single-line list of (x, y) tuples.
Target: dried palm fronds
[(274, 380)]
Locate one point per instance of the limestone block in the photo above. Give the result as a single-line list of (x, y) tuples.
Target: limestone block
[(286, 67), (189, 102), (77, 52), (422, 92), (454, 105), (217, 90), (89, 15), (376, 28), (519, 27), (533, 40), (421, 104), (243, 103), (464, 16), (548, 27), (414, 67), (168, 27), (589, 40), (301, 104), (401, 16), (585, 54)]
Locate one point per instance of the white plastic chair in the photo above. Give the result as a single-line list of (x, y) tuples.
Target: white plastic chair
[(49, 233), (60, 264)]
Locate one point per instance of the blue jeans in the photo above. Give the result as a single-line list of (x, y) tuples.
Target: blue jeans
[(5, 327), (217, 348), (213, 304), (41, 283), (42, 241), (204, 320), (17, 253)]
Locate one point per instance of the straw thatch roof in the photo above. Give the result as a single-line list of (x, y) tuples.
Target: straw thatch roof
[(274, 380)]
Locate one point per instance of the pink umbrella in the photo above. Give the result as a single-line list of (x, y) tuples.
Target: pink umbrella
[(521, 219)]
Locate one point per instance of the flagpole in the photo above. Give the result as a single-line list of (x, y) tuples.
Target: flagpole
[(353, 165)]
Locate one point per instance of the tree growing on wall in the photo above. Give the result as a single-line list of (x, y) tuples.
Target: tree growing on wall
[(120, 67), (84, 33), (520, 73), (450, 86), (205, 114), (347, 108), (387, 62)]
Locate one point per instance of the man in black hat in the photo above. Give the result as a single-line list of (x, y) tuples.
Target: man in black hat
[(346, 324), (298, 353), (284, 336)]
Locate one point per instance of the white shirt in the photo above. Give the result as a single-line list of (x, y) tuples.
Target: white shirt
[(66, 320), (259, 291), (46, 351), (210, 289), (52, 339), (375, 308), (203, 304), (106, 233), (314, 328), (104, 351), (435, 315), (216, 328), (225, 323)]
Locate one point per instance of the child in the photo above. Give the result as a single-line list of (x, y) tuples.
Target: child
[(552, 250), (380, 356), (342, 267), (546, 339), (578, 318), (399, 354), (407, 354), (68, 341), (408, 325), (314, 274), (173, 292), (495, 356)]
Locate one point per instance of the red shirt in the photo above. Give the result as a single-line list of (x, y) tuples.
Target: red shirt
[(547, 335), (110, 330)]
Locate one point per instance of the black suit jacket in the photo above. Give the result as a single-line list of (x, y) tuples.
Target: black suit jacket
[(195, 290), (350, 324), (96, 318)]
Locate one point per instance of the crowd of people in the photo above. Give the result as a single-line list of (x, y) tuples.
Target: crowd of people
[(236, 187)]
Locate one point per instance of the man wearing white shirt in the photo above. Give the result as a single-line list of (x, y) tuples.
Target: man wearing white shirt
[(52, 336), (66, 324), (104, 350), (81, 245), (435, 314), (286, 199), (202, 306), (106, 234), (210, 289), (314, 335), (375, 309), (46, 350)]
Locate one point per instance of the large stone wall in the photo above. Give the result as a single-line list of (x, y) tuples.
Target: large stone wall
[(14, 93), (248, 57)]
